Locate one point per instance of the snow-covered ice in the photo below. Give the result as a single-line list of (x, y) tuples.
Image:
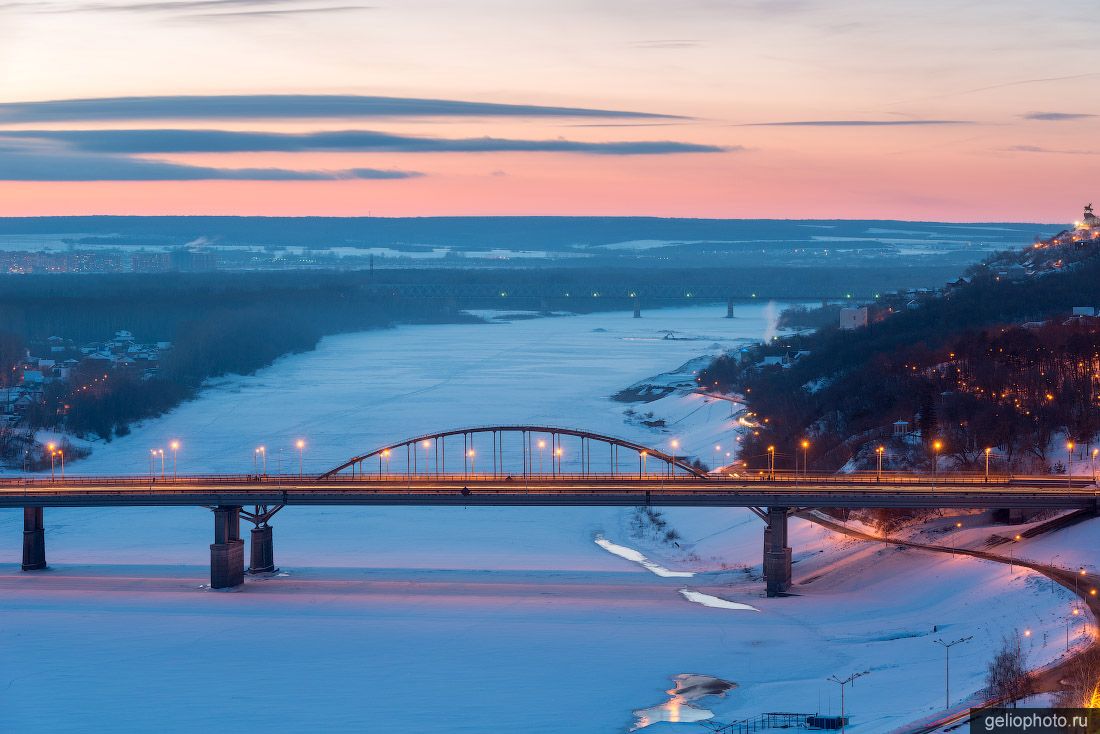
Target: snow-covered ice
[(440, 620)]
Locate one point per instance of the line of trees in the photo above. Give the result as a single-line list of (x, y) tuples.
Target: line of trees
[(959, 366), (217, 325)]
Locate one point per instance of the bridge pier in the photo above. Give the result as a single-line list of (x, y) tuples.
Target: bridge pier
[(263, 550), (227, 550), (637, 307), (729, 308), (34, 539), (777, 554)]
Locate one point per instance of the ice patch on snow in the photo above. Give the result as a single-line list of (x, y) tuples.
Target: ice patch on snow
[(679, 707), (632, 555), (713, 601)]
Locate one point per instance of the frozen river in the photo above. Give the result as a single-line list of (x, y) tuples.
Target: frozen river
[(436, 620)]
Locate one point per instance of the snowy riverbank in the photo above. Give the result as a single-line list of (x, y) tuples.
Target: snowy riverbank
[(478, 620)]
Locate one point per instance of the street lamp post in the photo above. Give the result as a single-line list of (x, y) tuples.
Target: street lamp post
[(936, 446), (947, 667), (1069, 462), (557, 460), (880, 451), (301, 446), (1069, 621), (805, 457), (987, 452), (644, 455), (427, 445), (473, 468), (50, 448), (843, 682), (771, 462), (542, 446), (175, 446)]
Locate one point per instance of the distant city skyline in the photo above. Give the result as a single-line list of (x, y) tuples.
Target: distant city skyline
[(700, 108)]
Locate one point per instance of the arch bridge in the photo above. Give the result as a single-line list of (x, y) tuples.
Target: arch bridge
[(517, 450)]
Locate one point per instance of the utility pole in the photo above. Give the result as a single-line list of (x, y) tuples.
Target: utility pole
[(947, 667), (844, 682)]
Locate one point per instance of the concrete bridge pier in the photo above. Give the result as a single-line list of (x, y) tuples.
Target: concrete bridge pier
[(227, 550), (263, 550), (777, 554), (34, 539)]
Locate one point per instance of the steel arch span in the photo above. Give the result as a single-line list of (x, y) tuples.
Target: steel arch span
[(530, 450)]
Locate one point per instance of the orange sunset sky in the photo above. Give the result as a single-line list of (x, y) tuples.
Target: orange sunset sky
[(925, 110)]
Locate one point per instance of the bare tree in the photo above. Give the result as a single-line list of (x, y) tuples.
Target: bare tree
[(1007, 678), (1081, 687)]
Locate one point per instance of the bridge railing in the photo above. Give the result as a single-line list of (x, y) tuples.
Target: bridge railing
[(716, 480)]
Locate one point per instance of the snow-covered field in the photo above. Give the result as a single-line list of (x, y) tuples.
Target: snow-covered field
[(479, 620)]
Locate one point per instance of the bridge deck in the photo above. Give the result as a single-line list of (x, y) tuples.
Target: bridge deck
[(824, 491)]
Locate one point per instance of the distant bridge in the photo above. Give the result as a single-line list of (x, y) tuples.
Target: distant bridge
[(533, 466)]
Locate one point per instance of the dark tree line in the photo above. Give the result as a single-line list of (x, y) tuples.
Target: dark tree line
[(217, 325), (958, 366)]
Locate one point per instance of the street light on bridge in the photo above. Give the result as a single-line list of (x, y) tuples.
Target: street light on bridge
[(988, 451), (937, 445), (301, 446), (427, 444), (880, 450), (259, 453), (542, 446), (473, 467), (771, 462), (175, 446), (1069, 461), (805, 455)]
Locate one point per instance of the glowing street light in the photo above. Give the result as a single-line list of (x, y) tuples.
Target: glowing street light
[(1069, 621), (542, 446), (427, 445), (988, 451), (301, 446), (805, 454), (880, 450), (50, 447), (473, 468), (1069, 461), (557, 459), (175, 446), (771, 462), (644, 455), (936, 447)]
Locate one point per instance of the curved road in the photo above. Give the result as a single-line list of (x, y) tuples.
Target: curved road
[(1044, 680)]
